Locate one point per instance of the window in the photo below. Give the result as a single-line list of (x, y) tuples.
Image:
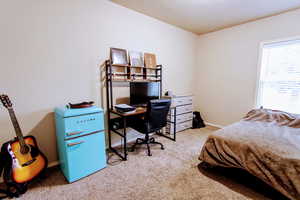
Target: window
[(279, 83)]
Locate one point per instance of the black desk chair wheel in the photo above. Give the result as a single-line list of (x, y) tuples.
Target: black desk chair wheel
[(154, 120)]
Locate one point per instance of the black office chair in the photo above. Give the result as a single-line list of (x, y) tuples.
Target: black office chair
[(154, 120)]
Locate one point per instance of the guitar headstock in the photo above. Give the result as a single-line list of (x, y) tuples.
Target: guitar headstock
[(5, 101)]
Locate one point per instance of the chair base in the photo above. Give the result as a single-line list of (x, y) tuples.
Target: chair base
[(146, 141)]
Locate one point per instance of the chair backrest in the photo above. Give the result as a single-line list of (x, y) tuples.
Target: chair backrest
[(157, 111)]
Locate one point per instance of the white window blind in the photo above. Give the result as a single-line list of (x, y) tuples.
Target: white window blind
[(279, 84)]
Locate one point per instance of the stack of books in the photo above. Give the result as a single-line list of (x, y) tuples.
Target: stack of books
[(124, 108)]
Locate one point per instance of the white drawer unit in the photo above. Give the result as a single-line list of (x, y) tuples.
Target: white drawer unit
[(179, 127), (183, 100), (181, 118), (182, 109), (181, 114)]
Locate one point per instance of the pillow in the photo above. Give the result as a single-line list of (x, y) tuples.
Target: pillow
[(277, 117)]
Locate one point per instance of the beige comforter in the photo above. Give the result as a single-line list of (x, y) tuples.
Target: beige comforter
[(266, 143)]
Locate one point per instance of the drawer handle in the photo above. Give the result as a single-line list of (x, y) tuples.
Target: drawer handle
[(74, 133), (75, 143)]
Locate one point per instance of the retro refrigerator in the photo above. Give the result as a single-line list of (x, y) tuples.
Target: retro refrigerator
[(80, 141)]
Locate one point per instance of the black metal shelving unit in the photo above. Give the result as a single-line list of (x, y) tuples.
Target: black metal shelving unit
[(128, 77)]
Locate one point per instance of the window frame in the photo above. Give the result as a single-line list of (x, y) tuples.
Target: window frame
[(257, 98)]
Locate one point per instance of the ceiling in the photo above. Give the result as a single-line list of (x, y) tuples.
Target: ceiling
[(203, 16)]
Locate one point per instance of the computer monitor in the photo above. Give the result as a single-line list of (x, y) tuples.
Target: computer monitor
[(141, 93)]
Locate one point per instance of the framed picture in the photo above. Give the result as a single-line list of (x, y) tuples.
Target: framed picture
[(136, 59), (118, 59), (118, 56), (150, 60)]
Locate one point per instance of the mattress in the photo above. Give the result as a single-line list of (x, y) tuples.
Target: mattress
[(266, 143)]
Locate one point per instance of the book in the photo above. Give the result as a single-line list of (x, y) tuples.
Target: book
[(124, 108), (128, 112)]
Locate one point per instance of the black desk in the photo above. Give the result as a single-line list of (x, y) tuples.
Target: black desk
[(124, 116)]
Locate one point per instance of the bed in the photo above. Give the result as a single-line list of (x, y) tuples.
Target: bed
[(266, 143)]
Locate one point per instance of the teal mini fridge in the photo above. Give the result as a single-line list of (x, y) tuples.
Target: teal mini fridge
[(80, 141)]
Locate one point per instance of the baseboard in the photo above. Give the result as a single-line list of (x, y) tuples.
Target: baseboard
[(215, 125), (53, 164)]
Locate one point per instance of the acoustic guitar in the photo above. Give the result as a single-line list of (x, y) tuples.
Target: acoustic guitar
[(27, 160)]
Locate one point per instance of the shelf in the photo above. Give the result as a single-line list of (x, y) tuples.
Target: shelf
[(124, 74), (141, 80), (150, 75), (151, 68), (119, 65), (139, 75)]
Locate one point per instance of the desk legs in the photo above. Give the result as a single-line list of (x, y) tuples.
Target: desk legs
[(124, 138), (174, 124)]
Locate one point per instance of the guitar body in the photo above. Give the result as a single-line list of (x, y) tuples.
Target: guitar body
[(25, 167), (25, 159)]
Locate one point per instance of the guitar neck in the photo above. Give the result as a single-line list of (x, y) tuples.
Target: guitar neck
[(16, 126)]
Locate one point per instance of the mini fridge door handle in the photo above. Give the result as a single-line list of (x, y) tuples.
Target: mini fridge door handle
[(75, 143), (74, 133)]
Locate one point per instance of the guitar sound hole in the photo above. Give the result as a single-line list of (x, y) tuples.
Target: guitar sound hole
[(25, 149)]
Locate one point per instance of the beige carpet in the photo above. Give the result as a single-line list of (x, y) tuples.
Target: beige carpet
[(171, 174)]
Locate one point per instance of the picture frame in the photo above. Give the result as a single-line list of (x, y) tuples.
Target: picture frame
[(150, 64), (150, 60), (118, 56), (136, 59), (137, 63), (119, 62)]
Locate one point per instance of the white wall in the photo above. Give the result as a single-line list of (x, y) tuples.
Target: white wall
[(227, 63), (51, 50)]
